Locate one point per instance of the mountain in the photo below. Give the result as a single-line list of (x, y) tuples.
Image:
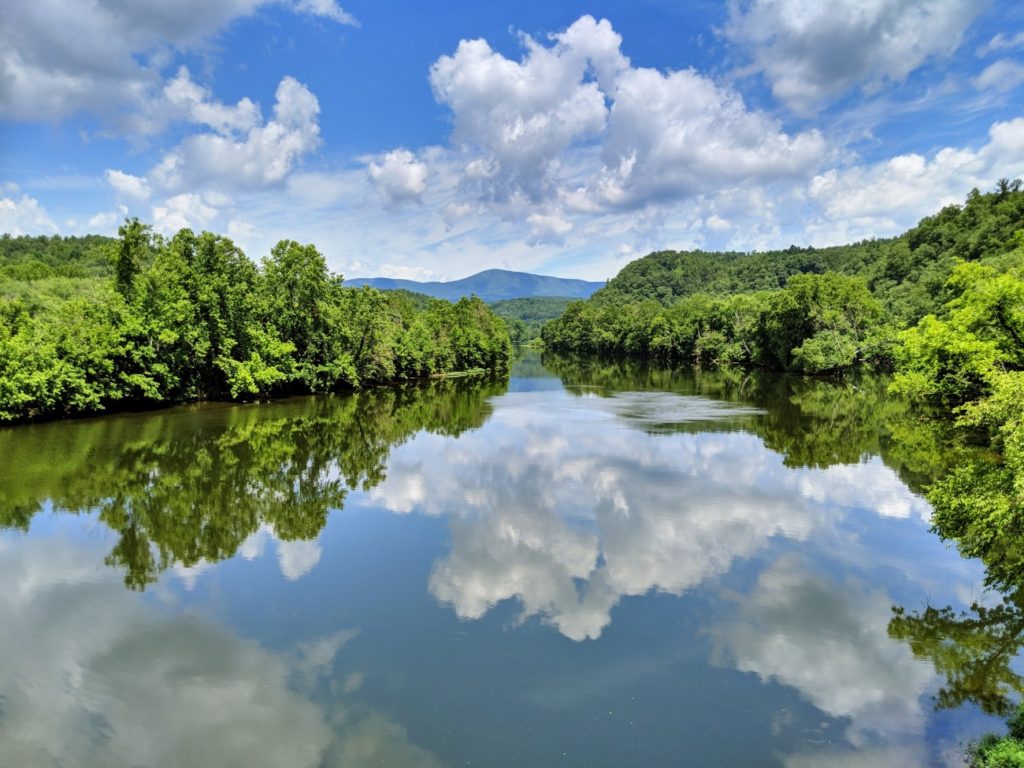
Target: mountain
[(489, 285)]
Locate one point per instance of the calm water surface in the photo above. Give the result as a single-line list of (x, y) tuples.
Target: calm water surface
[(583, 566)]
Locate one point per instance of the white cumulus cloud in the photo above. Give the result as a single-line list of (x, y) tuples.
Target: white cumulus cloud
[(181, 211), (522, 115), (572, 129), (25, 216), (678, 134), (190, 101), (127, 185), (59, 57), (399, 176), (812, 52), (261, 156)]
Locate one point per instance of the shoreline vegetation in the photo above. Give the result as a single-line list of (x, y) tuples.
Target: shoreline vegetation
[(191, 318), (805, 310)]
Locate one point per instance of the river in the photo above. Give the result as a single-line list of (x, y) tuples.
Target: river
[(585, 565)]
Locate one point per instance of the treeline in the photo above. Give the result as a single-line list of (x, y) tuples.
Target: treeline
[(816, 324), (803, 309), (906, 273), (191, 317)]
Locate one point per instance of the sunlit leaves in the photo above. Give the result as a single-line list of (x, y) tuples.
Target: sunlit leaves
[(817, 324), (193, 318)]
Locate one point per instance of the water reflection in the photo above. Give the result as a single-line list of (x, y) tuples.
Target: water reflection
[(811, 422), (196, 485), (560, 508), (975, 650), (92, 676), (828, 640), (771, 523)]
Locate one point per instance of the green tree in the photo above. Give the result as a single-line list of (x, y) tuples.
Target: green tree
[(822, 323), (132, 250), (951, 357), (302, 304)]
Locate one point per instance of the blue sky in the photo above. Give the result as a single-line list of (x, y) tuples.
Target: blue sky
[(432, 140)]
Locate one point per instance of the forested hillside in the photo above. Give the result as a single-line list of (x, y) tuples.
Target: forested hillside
[(34, 258), (192, 317), (813, 310), (905, 273), (526, 317)]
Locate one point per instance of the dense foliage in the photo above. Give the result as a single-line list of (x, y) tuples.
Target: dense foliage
[(813, 310), (526, 317), (993, 751), (816, 324), (192, 317), (35, 258), (968, 360)]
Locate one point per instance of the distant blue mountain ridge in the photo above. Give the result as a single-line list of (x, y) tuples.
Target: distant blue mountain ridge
[(490, 285)]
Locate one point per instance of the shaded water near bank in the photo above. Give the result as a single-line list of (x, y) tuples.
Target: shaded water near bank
[(586, 565)]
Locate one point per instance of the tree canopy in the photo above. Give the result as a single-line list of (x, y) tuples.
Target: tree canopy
[(192, 317), (812, 310)]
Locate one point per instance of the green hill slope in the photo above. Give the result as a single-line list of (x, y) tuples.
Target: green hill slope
[(906, 273), (814, 310), (34, 258), (526, 317)]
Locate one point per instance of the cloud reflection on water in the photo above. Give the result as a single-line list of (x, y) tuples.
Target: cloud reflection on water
[(569, 519), (90, 674), (828, 639)]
